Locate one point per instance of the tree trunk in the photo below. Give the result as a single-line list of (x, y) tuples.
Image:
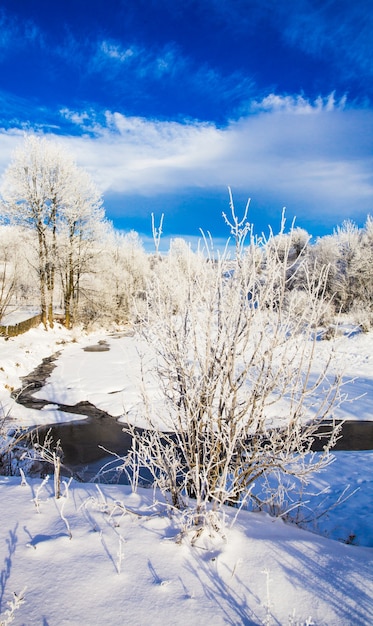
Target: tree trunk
[(42, 277)]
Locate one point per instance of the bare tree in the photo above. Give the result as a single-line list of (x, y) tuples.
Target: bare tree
[(157, 233)]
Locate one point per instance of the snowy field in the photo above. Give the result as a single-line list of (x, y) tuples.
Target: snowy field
[(124, 563)]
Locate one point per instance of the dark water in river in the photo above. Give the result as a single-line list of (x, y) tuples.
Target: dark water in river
[(81, 441)]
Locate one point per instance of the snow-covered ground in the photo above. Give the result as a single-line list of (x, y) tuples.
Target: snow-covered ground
[(111, 379), (123, 564)]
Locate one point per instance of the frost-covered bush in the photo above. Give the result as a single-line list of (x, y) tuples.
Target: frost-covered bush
[(12, 448), (362, 317), (172, 273), (235, 365), (348, 254)]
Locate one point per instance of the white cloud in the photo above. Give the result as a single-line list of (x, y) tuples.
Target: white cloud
[(136, 155), (310, 156), (79, 119)]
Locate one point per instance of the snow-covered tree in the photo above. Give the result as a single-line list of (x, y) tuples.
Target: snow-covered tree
[(81, 226), (8, 268), (115, 292), (129, 271), (347, 237), (16, 259), (43, 190)]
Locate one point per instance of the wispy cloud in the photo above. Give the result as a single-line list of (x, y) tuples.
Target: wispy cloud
[(298, 105), (132, 66), (18, 34), (146, 156), (117, 52), (339, 32), (111, 59), (143, 62), (339, 29), (8, 31), (21, 113)]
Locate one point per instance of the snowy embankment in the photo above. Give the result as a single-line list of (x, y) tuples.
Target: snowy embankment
[(123, 563)]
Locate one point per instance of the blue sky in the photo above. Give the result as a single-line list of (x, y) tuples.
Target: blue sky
[(167, 102)]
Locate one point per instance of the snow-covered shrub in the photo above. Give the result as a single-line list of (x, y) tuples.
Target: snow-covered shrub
[(362, 317), (348, 253), (13, 605), (361, 270), (172, 273), (289, 246), (12, 449)]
